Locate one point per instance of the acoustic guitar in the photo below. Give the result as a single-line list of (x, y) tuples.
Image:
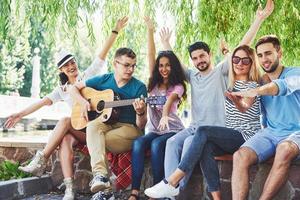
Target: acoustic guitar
[(104, 106)]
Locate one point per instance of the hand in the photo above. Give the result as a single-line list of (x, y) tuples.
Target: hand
[(12, 120), (237, 101), (121, 23), (246, 93), (164, 123), (165, 35), (85, 107), (224, 47), (139, 106), (262, 14), (149, 23)]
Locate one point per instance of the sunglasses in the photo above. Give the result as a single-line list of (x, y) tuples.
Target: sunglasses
[(245, 61)]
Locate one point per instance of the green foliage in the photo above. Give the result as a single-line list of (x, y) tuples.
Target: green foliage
[(82, 25), (9, 170)]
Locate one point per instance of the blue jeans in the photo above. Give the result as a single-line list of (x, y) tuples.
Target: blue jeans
[(210, 141), (157, 144), (176, 147)]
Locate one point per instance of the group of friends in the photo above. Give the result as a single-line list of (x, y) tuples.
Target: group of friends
[(227, 102)]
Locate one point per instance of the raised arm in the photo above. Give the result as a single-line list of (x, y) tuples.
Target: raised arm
[(261, 15), (16, 117), (121, 23), (150, 44), (224, 47), (165, 35)]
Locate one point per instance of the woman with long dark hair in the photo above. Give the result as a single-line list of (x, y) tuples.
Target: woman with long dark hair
[(166, 79), (64, 135)]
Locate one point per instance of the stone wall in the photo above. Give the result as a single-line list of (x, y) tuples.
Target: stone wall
[(196, 189)]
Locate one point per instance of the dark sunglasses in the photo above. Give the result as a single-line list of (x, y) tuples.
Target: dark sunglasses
[(245, 61)]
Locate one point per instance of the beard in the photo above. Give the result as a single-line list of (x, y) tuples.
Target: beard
[(273, 67), (204, 66)]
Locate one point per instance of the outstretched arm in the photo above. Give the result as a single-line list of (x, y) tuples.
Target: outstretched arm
[(16, 117), (270, 89), (241, 103), (261, 15), (121, 23), (150, 44), (164, 121)]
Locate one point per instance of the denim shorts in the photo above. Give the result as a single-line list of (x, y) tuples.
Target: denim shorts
[(264, 143), (295, 138)]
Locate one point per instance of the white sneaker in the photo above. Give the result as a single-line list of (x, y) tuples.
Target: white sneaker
[(162, 190), (69, 192), (99, 183), (37, 166)]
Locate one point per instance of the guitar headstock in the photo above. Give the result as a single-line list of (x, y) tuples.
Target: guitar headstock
[(156, 100)]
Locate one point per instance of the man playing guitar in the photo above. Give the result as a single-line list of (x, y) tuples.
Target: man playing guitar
[(116, 137)]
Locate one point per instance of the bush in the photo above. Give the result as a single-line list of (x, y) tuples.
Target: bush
[(9, 170)]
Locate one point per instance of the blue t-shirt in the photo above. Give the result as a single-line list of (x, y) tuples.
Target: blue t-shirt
[(282, 112), (133, 89)]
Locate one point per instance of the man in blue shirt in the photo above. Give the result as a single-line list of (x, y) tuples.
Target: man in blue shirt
[(281, 135), (117, 137)]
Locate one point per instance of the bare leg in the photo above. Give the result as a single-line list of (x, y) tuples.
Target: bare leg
[(175, 177), (285, 153), (66, 155), (61, 129), (242, 160)]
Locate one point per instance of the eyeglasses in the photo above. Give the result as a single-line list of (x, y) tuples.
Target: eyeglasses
[(245, 61), (127, 66)]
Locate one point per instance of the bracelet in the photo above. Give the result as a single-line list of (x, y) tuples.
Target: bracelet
[(115, 32), (141, 114)]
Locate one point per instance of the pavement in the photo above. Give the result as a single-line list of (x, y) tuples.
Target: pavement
[(55, 196)]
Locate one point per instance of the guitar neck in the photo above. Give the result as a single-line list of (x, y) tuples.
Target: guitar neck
[(119, 103)]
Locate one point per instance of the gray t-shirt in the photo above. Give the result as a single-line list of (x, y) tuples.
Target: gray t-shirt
[(207, 95)]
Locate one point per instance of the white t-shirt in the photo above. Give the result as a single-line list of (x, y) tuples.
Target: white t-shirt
[(61, 93)]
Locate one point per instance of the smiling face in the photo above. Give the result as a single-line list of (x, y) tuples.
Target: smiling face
[(70, 69), (164, 67), (268, 57), (201, 60), (241, 64)]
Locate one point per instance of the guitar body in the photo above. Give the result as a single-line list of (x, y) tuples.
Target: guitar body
[(105, 106), (97, 101)]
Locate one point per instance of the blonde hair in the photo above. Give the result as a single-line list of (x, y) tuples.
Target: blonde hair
[(254, 73)]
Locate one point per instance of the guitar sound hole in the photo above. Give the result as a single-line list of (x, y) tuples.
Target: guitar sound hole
[(100, 106)]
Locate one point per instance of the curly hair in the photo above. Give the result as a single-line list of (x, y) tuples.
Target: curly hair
[(176, 76)]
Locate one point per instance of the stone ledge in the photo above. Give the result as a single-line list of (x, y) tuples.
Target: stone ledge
[(16, 189), (37, 144)]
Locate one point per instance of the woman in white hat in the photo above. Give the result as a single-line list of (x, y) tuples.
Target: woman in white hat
[(63, 134)]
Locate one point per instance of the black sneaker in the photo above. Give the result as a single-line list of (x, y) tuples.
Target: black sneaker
[(103, 196)]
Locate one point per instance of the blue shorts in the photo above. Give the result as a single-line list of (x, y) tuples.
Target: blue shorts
[(264, 144)]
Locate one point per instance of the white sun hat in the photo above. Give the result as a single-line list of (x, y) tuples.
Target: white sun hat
[(63, 57)]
